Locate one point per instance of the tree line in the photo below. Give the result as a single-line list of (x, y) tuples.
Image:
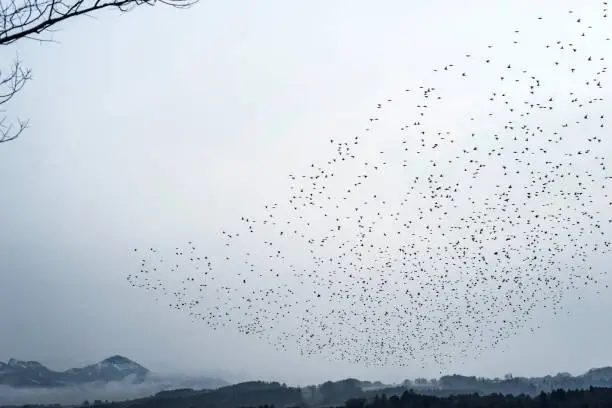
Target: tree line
[(272, 395)]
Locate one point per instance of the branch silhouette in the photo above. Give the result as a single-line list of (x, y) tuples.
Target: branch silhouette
[(28, 19)]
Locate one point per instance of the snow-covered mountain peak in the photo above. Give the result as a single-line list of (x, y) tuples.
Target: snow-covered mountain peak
[(19, 373), (13, 362), (120, 363), (117, 359)]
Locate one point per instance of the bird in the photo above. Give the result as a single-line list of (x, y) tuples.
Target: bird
[(497, 214)]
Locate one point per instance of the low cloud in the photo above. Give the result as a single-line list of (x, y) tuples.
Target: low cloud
[(112, 391)]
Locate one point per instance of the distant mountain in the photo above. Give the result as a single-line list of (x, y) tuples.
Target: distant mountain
[(26, 374), (18, 373), (115, 368)]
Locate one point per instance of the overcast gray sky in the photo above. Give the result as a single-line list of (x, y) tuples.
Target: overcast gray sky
[(160, 126)]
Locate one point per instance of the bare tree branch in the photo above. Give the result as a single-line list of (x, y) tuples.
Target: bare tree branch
[(27, 19), (19, 19), (9, 86), (6, 131)]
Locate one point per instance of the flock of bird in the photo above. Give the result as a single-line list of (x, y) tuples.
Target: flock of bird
[(428, 238)]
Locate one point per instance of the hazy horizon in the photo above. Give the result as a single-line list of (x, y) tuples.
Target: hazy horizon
[(126, 389)]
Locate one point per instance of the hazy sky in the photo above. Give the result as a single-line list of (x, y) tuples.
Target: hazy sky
[(159, 126)]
